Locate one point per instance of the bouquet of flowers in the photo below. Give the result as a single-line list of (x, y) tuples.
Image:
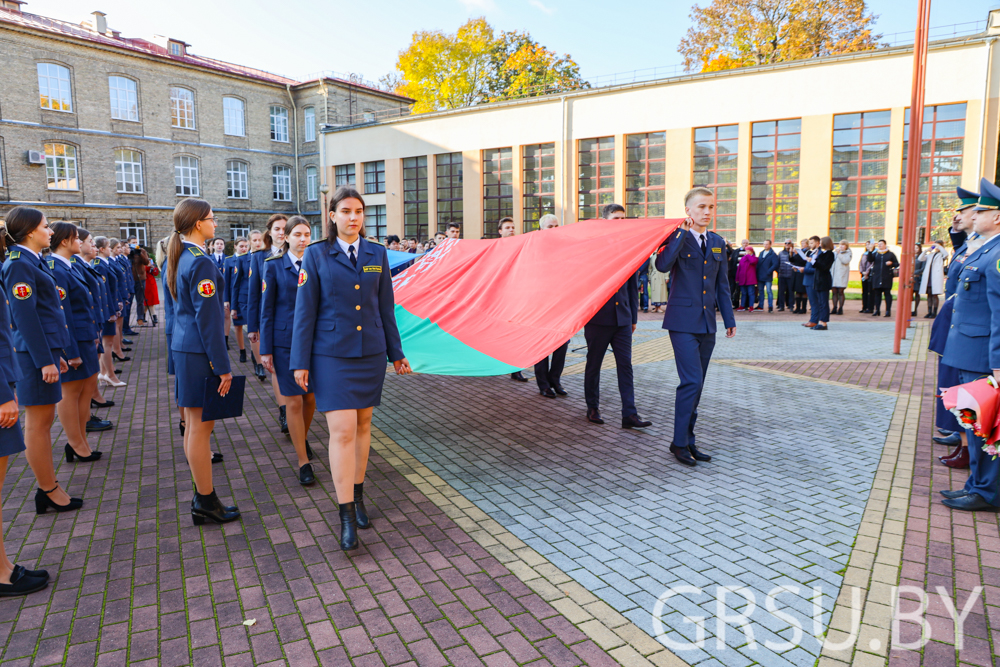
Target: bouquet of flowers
[(977, 406)]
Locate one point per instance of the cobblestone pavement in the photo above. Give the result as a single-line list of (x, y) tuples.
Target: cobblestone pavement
[(508, 530)]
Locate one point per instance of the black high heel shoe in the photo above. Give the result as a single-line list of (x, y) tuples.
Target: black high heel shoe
[(180, 425), (117, 358), (43, 502), (211, 508), (105, 404), (71, 454), (348, 527), (360, 513)]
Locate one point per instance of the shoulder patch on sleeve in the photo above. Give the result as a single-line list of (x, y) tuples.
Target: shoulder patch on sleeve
[(303, 277), (21, 291), (206, 288)]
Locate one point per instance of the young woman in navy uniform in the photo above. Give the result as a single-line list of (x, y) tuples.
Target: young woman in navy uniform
[(98, 290), (277, 318), (233, 317), (109, 329), (274, 244), (345, 327), (241, 291), (198, 346), (40, 335), (122, 274), (78, 309), (120, 251)]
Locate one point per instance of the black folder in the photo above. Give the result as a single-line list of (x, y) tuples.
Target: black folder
[(223, 407)]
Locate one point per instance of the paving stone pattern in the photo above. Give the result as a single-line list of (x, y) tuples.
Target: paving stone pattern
[(613, 510), (134, 582)]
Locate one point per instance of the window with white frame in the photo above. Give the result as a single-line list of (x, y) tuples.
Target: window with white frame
[(124, 98), (238, 230), (182, 108), (128, 170), (186, 175), (312, 184), (309, 116), (54, 88), (279, 124), (281, 178), (60, 167), (237, 180), (133, 228), (233, 117), (343, 174)]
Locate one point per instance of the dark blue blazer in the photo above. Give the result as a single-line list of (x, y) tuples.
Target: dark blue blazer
[(35, 310), (974, 337), (10, 371), (254, 275), (128, 282), (766, 266), (343, 311), (277, 303), (954, 269), (97, 291), (77, 303), (241, 282), (220, 264), (698, 284), (199, 313), (622, 309), (168, 304), (121, 288), (230, 272), (110, 278)]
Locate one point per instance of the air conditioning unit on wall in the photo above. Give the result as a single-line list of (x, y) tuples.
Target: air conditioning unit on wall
[(36, 157)]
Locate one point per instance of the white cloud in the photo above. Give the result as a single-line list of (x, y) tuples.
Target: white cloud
[(478, 5), (537, 4)]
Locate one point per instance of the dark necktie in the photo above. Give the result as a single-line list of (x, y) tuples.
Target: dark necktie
[(354, 258), (702, 245)]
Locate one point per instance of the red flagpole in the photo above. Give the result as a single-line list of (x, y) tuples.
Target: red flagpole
[(911, 202)]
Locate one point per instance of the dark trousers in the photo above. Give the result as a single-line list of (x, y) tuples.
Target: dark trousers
[(813, 306), (821, 309), (866, 295), (785, 297), (127, 312), (984, 471), (140, 300), (548, 374), (644, 291), (948, 376), (620, 339), (877, 294), (692, 352)]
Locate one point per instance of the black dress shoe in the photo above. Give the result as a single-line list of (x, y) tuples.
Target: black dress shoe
[(306, 475), (211, 508), (117, 358), (105, 404), (953, 494), (951, 440), (360, 511), (633, 421), (44, 574), (698, 455), (243, 356), (309, 452), (972, 502), (683, 455), (348, 527), (129, 332), (944, 431), (217, 457), (594, 416), (21, 583), (126, 341), (95, 424), (126, 349), (558, 388), (547, 393), (282, 419), (71, 454), (43, 502), (518, 376)]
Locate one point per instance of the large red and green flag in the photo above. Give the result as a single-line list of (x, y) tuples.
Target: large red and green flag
[(494, 306)]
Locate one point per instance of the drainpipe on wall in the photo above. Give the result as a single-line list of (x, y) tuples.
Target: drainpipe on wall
[(566, 177), (985, 109), (295, 144)]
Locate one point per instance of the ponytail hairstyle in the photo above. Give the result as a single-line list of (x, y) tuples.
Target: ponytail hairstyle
[(270, 223), (342, 193), (60, 232), (19, 222), (101, 242), (83, 232), (161, 250), (187, 213)]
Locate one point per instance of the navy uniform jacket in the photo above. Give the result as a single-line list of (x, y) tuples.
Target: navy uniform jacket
[(10, 371), (693, 301), (220, 264), (199, 314), (254, 275), (240, 287), (96, 285), (974, 335), (35, 310), (954, 269), (109, 277), (126, 278), (168, 303), (277, 303), (77, 303), (230, 272), (343, 311), (120, 290), (622, 309)]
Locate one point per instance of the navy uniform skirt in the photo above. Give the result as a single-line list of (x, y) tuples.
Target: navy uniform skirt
[(347, 384), (90, 365), (190, 371), (11, 439), (109, 329), (241, 319), (31, 388), (282, 357)]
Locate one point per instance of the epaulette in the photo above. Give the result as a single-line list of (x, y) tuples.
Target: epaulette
[(72, 259), (52, 264), (196, 252), (14, 254), (322, 240), (269, 259), (254, 252), (375, 242), (94, 261)]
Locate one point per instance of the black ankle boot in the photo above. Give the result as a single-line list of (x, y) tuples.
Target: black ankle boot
[(348, 527), (243, 356), (282, 419), (227, 342), (211, 508), (359, 506)]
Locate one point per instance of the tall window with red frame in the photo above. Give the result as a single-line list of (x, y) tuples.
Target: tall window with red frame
[(859, 180), (645, 164), (941, 150), (774, 179), (498, 188), (596, 181), (715, 152), (538, 183)]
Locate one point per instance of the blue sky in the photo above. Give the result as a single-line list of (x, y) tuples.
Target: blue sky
[(301, 37)]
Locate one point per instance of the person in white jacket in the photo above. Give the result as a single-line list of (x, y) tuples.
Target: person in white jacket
[(841, 271), (932, 282)]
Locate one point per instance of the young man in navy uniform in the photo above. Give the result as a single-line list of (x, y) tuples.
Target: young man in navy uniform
[(613, 325), (690, 252), (973, 345)]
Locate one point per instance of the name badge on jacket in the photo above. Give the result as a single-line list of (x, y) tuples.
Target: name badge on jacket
[(716, 250), (376, 268)]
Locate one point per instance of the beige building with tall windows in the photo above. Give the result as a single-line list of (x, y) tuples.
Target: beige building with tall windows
[(792, 150), (111, 131)]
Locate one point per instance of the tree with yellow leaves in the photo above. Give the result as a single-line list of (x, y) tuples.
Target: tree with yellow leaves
[(742, 33)]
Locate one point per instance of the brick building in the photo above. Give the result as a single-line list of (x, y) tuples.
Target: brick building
[(110, 132)]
